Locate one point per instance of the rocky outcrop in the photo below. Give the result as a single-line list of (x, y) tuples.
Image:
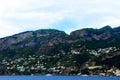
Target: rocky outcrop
[(32, 38), (90, 34)]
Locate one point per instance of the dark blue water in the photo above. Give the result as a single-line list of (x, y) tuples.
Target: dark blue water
[(57, 78)]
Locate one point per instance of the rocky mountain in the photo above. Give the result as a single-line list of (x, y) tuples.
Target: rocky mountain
[(90, 34), (33, 41), (55, 52)]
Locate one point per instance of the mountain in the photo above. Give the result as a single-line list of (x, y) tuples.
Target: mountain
[(55, 52), (93, 34)]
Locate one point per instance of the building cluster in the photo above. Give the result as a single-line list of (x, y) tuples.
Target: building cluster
[(103, 71), (39, 64), (102, 51)]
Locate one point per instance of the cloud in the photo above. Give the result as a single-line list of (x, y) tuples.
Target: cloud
[(22, 15), (9, 29), (112, 21)]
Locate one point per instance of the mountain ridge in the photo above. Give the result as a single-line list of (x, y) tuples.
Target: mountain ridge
[(53, 51)]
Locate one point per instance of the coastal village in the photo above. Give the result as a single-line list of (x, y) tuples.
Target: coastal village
[(36, 65)]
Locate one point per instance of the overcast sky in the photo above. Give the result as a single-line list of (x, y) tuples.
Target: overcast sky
[(67, 15)]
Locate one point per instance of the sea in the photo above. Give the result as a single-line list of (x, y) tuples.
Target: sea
[(58, 78)]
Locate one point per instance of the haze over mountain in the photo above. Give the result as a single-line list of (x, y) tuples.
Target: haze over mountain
[(53, 51)]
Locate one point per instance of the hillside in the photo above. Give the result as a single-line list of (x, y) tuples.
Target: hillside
[(49, 51)]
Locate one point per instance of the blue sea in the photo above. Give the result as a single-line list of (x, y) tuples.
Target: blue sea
[(58, 78)]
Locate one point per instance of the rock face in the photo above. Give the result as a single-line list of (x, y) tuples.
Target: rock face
[(32, 39), (51, 37), (56, 48), (93, 34)]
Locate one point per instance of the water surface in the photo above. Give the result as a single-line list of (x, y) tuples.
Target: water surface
[(58, 78)]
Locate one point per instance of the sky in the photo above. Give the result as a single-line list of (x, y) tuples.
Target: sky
[(67, 15)]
